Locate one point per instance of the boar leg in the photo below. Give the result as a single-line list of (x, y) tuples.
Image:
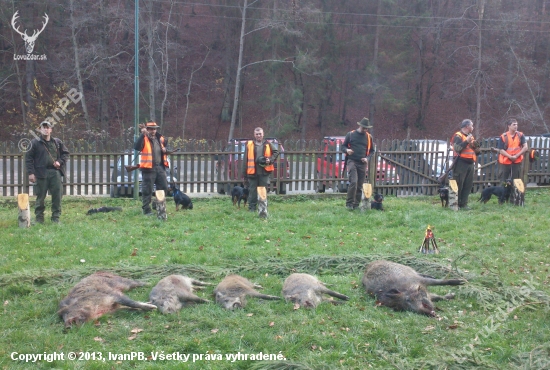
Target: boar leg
[(429, 281), (435, 297), (264, 296), (126, 301), (200, 283), (334, 294), (186, 297)]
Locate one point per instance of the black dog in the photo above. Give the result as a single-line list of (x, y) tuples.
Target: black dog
[(91, 211), (444, 196), (239, 193), (502, 192), (377, 203), (180, 198)]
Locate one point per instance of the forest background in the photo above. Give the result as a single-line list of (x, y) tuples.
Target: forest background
[(302, 69)]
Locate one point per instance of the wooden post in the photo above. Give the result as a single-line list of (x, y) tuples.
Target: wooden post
[(262, 202), (161, 204), (453, 195), (24, 210), (518, 193), (365, 197)]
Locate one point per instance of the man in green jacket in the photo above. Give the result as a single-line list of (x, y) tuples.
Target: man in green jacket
[(45, 163)]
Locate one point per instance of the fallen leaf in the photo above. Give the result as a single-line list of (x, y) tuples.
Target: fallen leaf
[(201, 248), (214, 331), (98, 339), (272, 323), (249, 314), (132, 337), (454, 326), (277, 337), (6, 303), (296, 306)]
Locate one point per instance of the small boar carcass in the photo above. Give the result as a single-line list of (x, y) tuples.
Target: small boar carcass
[(307, 291), (231, 292), (175, 291), (96, 295), (402, 288)]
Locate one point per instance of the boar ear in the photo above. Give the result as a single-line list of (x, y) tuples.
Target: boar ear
[(219, 295)]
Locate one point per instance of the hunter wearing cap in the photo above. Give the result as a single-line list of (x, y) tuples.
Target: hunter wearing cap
[(357, 146), (153, 163), (45, 162), (258, 164)]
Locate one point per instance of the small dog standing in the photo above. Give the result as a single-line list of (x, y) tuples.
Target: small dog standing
[(502, 192), (180, 198), (444, 196), (377, 203), (239, 193)]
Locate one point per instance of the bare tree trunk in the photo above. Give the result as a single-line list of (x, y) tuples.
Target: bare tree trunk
[(479, 74), (239, 71), (29, 74), (165, 65), (151, 61), (19, 81), (372, 101), (77, 67), (189, 92)]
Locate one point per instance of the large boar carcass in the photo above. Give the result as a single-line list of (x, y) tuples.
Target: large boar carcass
[(96, 295), (402, 288)]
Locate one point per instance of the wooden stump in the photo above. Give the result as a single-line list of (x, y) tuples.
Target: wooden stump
[(365, 197), (262, 202), (24, 210), (518, 193), (453, 195), (161, 205)]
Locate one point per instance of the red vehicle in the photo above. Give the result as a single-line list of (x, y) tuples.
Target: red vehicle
[(229, 166), (331, 165)]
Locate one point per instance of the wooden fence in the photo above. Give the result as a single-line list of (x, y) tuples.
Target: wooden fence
[(398, 168)]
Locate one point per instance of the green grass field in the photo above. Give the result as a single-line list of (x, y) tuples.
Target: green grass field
[(498, 320)]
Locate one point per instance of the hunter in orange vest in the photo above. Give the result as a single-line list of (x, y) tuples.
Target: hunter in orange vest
[(465, 148), (153, 163), (511, 146), (258, 164)]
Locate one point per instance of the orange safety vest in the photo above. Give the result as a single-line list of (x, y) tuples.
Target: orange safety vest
[(512, 146), (369, 142), (251, 161), (468, 151), (146, 160)]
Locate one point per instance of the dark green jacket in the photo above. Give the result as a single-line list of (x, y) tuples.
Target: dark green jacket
[(37, 157)]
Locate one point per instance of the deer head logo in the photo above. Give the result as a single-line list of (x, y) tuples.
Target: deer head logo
[(29, 40)]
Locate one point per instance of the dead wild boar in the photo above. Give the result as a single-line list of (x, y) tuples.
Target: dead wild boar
[(175, 291), (307, 291), (231, 292), (96, 295), (402, 288)]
